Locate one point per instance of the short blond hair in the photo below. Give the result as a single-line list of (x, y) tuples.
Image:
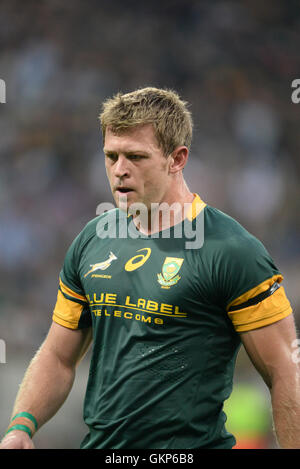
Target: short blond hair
[(163, 108)]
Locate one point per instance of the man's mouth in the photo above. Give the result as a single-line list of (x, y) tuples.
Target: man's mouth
[(123, 190)]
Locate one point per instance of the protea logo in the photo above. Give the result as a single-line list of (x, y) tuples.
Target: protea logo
[(170, 269)]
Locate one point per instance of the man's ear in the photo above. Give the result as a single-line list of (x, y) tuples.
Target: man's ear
[(178, 159)]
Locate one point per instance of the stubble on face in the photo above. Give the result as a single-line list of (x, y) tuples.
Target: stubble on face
[(136, 167)]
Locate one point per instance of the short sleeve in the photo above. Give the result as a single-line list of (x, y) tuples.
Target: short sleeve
[(71, 308), (249, 284)]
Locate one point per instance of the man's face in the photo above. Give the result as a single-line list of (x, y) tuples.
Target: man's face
[(136, 167)]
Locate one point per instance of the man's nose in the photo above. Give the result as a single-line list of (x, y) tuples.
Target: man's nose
[(121, 167)]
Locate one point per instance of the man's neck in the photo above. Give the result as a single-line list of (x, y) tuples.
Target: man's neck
[(163, 215)]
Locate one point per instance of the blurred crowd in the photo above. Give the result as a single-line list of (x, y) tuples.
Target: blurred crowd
[(234, 63)]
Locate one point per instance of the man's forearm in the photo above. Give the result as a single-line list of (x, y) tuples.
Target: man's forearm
[(285, 394), (46, 385)]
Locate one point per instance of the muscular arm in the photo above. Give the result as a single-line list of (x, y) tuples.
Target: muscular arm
[(270, 350), (48, 379)]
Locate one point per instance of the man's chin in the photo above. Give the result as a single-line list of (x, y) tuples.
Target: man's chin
[(123, 203)]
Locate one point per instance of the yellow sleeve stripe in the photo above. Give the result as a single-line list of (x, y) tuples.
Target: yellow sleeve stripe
[(268, 311), (255, 291), (67, 312), (70, 292)]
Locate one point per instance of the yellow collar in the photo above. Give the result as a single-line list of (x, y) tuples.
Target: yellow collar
[(196, 207)]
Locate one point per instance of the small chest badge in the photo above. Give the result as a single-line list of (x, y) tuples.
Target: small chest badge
[(102, 265), (169, 274)]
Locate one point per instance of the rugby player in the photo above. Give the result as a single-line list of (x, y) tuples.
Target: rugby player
[(166, 302)]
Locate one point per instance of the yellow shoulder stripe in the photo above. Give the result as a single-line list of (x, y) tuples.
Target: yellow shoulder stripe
[(270, 310), (264, 286), (70, 292), (67, 312)]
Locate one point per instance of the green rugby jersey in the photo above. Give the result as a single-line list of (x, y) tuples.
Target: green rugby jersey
[(165, 322)]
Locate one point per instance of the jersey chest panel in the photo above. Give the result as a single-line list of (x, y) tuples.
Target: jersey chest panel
[(154, 282)]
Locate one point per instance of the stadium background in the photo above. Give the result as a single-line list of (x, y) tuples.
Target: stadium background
[(233, 61)]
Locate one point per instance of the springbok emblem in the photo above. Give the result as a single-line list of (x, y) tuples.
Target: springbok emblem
[(102, 265)]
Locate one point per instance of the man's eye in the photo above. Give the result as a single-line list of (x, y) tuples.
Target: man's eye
[(136, 157), (112, 157)]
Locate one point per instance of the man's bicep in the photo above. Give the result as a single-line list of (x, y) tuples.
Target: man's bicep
[(68, 345), (270, 348)]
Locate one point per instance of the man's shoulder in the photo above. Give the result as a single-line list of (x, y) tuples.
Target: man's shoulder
[(219, 224), (109, 214), (91, 228), (227, 234)]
